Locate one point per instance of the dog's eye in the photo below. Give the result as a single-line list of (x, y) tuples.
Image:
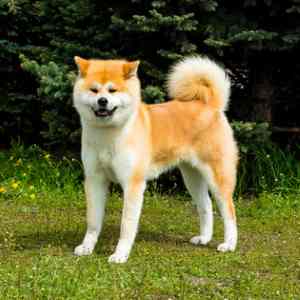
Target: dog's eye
[(94, 90), (112, 90)]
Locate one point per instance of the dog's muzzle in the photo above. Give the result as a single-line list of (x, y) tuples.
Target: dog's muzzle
[(102, 111)]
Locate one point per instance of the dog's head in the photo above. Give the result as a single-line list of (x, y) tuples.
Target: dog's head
[(106, 92)]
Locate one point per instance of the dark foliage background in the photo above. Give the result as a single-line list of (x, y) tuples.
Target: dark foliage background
[(257, 41)]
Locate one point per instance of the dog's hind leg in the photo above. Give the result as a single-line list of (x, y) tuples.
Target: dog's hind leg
[(198, 188), (221, 184)]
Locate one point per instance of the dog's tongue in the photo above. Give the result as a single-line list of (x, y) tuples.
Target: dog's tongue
[(102, 113)]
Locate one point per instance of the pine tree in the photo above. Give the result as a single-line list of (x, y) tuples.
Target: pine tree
[(254, 40)]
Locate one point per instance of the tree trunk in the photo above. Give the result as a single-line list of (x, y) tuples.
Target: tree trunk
[(262, 90)]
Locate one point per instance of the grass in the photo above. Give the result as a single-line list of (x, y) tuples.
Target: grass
[(42, 217)]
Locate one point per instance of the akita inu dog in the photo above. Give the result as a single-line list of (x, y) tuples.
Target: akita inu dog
[(128, 142)]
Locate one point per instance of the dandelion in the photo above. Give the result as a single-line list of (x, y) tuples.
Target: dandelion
[(15, 184), (32, 196), (2, 189)]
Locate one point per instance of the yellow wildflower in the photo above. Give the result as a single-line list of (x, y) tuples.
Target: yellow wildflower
[(2, 190), (15, 185), (47, 156), (19, 162), (32, 196)]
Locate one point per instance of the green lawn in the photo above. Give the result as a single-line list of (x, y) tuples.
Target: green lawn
[(42, 219)]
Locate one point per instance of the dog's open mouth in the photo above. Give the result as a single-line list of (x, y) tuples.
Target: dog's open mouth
[(104, 112)]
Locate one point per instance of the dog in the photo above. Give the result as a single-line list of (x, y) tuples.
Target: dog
[(129, 142)]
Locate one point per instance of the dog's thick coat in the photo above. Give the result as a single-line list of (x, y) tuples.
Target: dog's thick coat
[(129, 142)]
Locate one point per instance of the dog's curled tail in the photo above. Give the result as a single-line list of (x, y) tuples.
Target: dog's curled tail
[(199, 78)]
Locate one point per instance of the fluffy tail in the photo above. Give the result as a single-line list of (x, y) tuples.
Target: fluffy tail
[(199, 78)]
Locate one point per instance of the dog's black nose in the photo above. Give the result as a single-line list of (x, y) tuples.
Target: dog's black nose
[(102, 102)]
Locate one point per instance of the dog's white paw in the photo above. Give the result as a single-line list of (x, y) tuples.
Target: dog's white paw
[(118, 258), (225, 247), (83, 250), (200, 240)]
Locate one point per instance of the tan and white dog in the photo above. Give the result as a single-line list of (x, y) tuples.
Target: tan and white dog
[(129, 142)]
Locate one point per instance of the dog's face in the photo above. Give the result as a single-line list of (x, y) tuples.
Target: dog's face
[(106, 92)]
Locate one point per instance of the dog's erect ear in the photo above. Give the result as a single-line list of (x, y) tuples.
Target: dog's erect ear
[(130, 69), (82, 64)]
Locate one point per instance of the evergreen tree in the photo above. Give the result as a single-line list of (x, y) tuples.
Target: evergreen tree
[(257, 41)]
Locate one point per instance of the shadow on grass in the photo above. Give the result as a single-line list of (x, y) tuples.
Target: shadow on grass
[(36, 228), (69, 239)]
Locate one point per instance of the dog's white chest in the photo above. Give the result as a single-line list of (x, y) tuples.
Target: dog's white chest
[(115, 163), (106, 156)]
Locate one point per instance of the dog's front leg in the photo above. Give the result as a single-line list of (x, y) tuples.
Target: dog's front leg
[(133, 202), (96, 188)]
